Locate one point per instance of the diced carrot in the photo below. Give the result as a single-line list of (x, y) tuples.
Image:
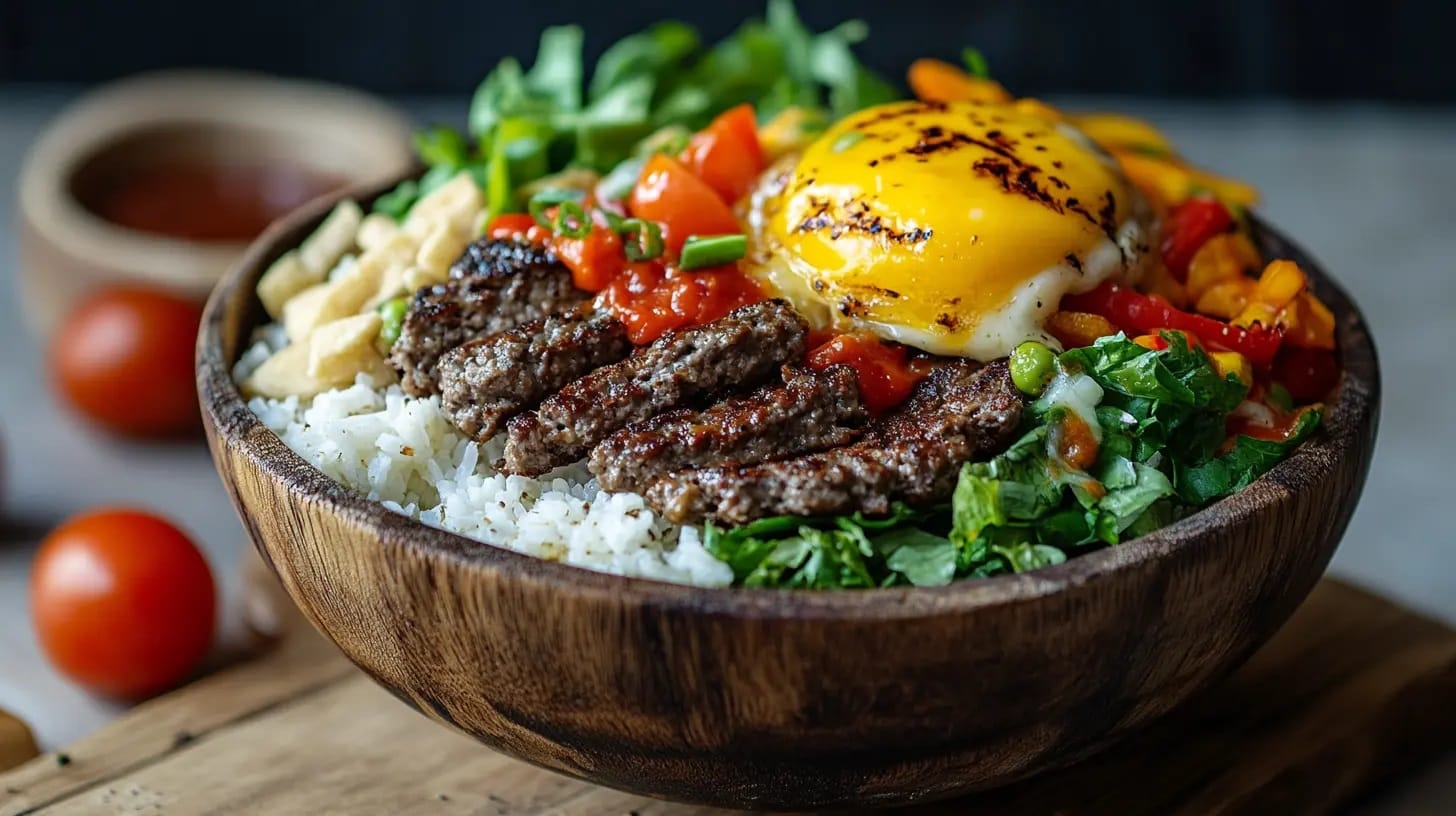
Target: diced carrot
[(1078, 329)]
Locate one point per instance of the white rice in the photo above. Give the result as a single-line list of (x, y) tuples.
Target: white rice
[(403, 451)]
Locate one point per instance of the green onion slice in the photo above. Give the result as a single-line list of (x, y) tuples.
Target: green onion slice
[(571, 220), (701, 251), (546, 199), (643, 239)]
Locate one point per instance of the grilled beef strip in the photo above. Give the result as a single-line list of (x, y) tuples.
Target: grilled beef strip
[(484, 382), (810, 410), (913, 454), (496, 285), (737, 351)]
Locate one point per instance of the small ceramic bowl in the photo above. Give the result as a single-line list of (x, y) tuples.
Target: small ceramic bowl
[(788, 699), (211, 117)]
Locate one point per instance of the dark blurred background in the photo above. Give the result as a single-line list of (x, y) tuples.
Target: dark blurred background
[(1302, 49)]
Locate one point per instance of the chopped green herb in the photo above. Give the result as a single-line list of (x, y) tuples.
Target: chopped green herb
[(647, 93), (976, 63), (642, 239), (712, 250), (571, 220), (546, 199)]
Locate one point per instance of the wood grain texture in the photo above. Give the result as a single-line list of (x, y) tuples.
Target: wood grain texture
[(1350, 693), (168, 724), (17, 744), (787, 699)]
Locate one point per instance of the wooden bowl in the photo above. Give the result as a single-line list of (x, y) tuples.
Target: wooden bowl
[(207, 116), (787, 699)]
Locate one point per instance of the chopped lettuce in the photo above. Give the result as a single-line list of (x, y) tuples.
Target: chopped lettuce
[(1250, 458), (1160, 420)]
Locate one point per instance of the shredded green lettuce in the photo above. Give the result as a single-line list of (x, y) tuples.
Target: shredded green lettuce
[(1161, 420)]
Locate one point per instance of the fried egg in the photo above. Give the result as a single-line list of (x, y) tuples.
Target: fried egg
[(954, 228)]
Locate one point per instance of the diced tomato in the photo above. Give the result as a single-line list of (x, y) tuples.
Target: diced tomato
[(652, 300), (885, 380), (510, 225), (1189, 226), (1309, 374), (726, 154), (1136, 313), (594, 261), (682, 203)]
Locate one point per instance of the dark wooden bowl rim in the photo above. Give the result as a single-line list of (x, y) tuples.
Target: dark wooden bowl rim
[(1354, 408)]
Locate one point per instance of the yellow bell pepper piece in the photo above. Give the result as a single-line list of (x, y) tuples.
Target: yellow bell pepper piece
[(1232, 362), (1166, 180), (1113, 130), (1222, 257), (1281, 282), (1225, 299)]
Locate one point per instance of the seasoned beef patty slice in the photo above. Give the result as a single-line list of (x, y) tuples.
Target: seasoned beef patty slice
[(494, 286), (914, 455), (810, 410), (737, 351), (484, 382)]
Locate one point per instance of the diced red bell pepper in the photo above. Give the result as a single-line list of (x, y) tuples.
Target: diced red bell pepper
[(1189, 226), (1137, 313)]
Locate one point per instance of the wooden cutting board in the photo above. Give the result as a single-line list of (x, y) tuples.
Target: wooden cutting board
[(1352, 691)]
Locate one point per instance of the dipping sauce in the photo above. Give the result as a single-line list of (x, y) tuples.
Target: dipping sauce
[(221, 203)]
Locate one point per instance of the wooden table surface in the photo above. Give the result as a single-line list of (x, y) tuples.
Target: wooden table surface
[(1366, 189), (1352, 691)]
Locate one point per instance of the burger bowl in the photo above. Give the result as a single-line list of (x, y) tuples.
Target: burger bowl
[(787, 699)]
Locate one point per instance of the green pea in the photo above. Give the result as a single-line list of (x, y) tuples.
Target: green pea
[(1032, 366), (392, 312)]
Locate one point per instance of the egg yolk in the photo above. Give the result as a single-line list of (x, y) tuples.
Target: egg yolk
[(933, 216)]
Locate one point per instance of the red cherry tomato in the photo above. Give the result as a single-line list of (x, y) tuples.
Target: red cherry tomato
[(726, 154), (684, 204), (123, 358), (885, 380), (1190, 225), (123, 602)]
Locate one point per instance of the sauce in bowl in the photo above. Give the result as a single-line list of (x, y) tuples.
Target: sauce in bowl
[(200, 201)]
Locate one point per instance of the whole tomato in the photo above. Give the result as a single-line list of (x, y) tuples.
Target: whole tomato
[(123, 602), (123, 358)]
